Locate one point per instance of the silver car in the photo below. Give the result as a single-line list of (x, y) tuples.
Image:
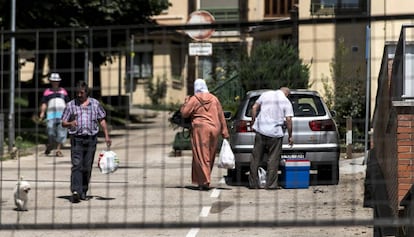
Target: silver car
[(315, 135)]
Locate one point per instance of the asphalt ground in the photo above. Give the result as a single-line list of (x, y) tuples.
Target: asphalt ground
[(152, 191)]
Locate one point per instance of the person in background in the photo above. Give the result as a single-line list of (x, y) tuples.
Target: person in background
[(207, 124), (53, 103), (82, 116), (276, 112)]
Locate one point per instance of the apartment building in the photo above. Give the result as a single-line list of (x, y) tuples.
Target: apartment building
[(321, 25), (379, 40), (166, 56), (361, 26), (324, 24)]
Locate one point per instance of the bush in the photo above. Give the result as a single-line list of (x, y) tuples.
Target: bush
[(157, 90), (272, 65)]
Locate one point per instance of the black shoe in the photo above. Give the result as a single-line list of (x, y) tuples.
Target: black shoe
[(83, 197), (48, 149), (204, 187), (75, 197)]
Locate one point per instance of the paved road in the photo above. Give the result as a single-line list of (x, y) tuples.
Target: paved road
[(151, 195)]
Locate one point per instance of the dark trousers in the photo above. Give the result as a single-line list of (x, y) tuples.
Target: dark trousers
[(82, 155), (273, 147)]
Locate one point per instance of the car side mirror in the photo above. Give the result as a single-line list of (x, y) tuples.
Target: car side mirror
[(333, 113), (227, 115)]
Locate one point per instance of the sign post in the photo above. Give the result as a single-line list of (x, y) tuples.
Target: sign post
[(200, 49)]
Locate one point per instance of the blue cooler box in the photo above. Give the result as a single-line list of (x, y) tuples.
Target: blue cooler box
[(294, 173)]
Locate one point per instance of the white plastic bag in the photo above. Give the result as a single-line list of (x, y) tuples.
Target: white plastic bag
[(108, 162), (226, 156), (262, 177)]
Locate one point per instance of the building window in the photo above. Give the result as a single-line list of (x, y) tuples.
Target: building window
[(279, 8), (338, 7), (222, 10), (142, 62)]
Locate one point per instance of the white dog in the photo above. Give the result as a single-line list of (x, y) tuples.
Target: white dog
[(21, 194)]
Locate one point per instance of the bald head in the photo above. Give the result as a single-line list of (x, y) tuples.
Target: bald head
[(285, 90)]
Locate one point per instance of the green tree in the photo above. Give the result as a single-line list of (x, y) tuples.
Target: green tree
[(79, 15), (87, 13), (271, 65), (347, 91), (224, 81)]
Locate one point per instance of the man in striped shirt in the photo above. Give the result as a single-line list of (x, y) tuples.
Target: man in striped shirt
[(82, 116)]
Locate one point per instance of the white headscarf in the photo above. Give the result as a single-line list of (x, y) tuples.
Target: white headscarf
[(200, 86)]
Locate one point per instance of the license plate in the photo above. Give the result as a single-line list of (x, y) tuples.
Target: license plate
[(293, 156)]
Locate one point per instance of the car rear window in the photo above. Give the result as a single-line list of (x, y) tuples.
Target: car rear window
[(304, 105), (307, 105), (252, 100)]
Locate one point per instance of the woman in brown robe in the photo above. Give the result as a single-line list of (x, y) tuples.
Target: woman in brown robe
[(207, 124)]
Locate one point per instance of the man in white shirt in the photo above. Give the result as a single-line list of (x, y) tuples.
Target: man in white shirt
[(275, 114)]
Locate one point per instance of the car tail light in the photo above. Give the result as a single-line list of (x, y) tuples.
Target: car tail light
[(243, 126), (322, 125)]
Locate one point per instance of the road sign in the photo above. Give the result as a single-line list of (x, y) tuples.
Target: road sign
[(200, 17), (200, 49)]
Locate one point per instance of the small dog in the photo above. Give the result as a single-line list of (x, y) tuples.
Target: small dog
[(21, 195)]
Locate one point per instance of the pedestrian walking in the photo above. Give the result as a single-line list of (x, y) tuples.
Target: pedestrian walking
[(207, 124), (82, 116), (53, 103), (274, 112)]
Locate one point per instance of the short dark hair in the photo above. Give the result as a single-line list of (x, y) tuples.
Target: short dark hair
[(82, 85)]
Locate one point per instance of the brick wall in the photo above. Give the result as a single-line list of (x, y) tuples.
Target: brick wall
[(405, 146), (391, 173), (394, 148)]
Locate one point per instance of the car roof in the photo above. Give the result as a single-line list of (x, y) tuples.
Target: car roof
[(292, 91)]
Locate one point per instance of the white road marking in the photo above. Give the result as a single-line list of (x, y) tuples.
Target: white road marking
[(215, 193), (204, 212), (193, 232)]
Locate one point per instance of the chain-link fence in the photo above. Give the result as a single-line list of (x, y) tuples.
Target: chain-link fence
[(152, 188)]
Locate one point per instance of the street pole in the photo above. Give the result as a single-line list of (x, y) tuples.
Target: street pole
[(1, 95), (368, 83), (86, 60), (131, 71), (12, 74), (1, 134)]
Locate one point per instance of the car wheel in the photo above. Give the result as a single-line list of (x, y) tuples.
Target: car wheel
[(328, 174)]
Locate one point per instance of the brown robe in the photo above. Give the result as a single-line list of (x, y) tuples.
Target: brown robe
[(207, 124)]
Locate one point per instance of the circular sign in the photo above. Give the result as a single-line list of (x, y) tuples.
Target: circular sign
[(200, 17)]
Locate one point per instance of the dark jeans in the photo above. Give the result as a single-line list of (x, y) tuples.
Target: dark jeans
[(273, 147), (82, 155)]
